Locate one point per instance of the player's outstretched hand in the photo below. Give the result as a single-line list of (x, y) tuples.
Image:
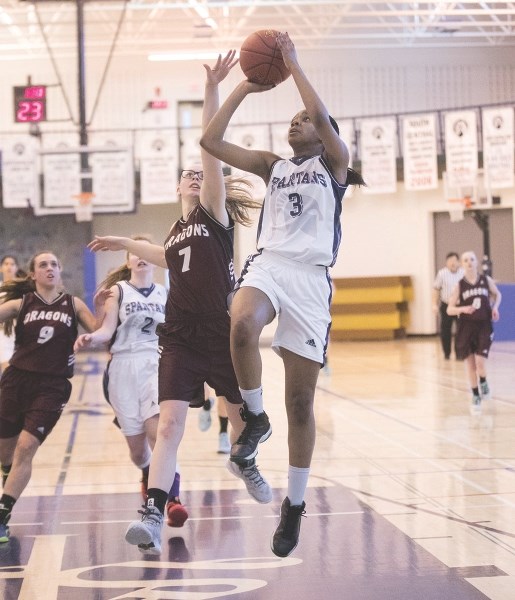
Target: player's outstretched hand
[(217, 73), (287, 49), (83, 341), (107, 242)]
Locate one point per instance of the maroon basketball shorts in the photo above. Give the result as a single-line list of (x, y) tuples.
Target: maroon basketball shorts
[(473, 337), (187, 361), (31, 401)]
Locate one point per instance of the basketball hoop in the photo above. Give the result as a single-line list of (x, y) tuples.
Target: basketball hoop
[(457, 208), (83, 206)]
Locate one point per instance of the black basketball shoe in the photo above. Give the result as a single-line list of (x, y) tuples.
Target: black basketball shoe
[(257, 430), (286, 536)]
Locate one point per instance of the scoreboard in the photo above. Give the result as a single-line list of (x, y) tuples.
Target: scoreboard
[(29, 103)]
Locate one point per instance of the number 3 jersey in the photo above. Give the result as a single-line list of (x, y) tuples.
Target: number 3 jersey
[(140, 312), (44, 335), (301, 212)]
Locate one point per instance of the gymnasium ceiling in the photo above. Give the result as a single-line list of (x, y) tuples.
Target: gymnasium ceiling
[(142, 27)]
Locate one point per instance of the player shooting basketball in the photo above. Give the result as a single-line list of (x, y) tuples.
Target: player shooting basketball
[(288, 276)]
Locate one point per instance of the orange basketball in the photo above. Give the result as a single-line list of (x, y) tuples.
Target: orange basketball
[(261, 60)]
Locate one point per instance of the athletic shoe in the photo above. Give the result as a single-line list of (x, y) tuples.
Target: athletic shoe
[(475, 405), (286, 536), (485, 390), (224, 443), (256, 485), (204, 417), (4, 533), (176, 513), (257, 430), (146, 534)]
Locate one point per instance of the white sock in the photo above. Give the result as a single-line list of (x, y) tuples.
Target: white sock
[(297, 484), (254, 400), (146, 460)]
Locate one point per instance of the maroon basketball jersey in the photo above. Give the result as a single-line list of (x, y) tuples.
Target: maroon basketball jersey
[(478, 295), (45, 334), (199, 256)]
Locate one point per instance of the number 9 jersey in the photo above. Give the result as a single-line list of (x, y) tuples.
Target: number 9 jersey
[(45, 334)]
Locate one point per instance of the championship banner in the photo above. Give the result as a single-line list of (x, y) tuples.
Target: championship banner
[(255, 137), (20, 185), (461, 148), (280, 144), (158, 167), (60, 165), (190, 147), (112, 171), (378, 166), (498, 156), (419, 151)]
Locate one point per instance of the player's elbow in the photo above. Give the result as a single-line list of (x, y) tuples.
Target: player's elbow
[(206, 142)]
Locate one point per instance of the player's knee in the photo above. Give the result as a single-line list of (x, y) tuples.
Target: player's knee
[(300, 408), (244, 332)]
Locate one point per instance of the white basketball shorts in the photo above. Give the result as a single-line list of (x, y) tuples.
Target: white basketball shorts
[(133, 390), (300, 295)]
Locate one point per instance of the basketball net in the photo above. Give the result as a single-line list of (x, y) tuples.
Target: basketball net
[(83, 206), (457, 209)]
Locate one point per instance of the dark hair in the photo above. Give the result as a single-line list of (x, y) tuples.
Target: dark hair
[(19, 286), (4, 258), (353, 177), (19, 272), (451, 254), (334, 124)]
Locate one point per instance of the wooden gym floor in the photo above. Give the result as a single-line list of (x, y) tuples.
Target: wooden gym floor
[(410, 496)]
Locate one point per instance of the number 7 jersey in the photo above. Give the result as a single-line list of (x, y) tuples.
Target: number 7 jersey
[(199, 255), (44, 335)]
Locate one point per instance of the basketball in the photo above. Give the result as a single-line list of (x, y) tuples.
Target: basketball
[(261, 60)]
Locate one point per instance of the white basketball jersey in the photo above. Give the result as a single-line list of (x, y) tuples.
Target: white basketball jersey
[(300, 218), (140, 312)]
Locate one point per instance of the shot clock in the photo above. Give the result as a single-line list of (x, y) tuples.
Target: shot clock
[(29, 103)]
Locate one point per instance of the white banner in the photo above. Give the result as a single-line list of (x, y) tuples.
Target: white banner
[(20, 186), (419, 151), (190, 147), (498, 158), (280, 144), (252, 138), (61, 172), (158, 167), (378, 166), (113, 179), (461, 148)]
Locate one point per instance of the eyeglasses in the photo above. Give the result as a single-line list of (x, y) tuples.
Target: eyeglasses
[(187, 174)]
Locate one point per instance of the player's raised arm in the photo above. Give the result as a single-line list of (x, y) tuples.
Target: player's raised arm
[(335, 148), (253, 161)]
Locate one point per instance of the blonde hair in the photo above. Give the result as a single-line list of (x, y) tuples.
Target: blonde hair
[(121, 273), (239, 201)]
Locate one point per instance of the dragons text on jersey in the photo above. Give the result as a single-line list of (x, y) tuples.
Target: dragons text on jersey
[(44, 335)]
